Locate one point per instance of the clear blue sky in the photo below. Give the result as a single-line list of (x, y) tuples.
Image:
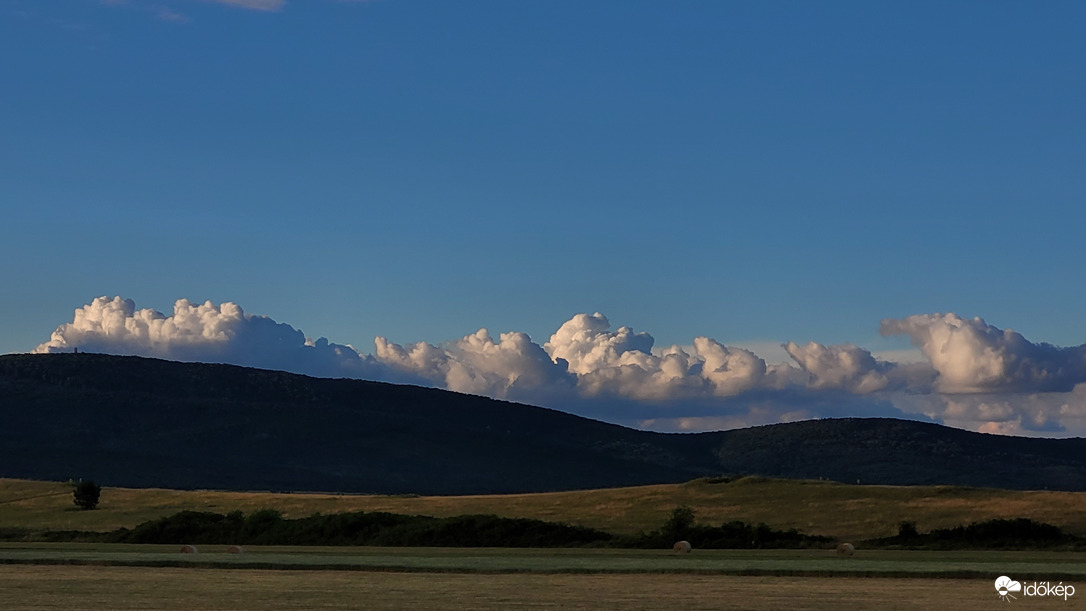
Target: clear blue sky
[(747, 171)]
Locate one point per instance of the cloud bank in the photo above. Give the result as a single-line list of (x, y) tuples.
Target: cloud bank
[(971, 356), (976, 376)]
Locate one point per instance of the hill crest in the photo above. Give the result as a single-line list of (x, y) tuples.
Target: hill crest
[(138, 422)]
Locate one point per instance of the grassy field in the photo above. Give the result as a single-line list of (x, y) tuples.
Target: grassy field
[(113, 576), (810, 563), (845, 512), (95, 587), (73, 576), (103, 576), (485, 579)]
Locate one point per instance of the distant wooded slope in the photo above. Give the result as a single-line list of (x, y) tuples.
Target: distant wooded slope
[(138, 422)]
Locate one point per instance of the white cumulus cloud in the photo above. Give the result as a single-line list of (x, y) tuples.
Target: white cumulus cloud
[(972, 356), (621, 363), (511, 368), (204, 333), (846, 366)]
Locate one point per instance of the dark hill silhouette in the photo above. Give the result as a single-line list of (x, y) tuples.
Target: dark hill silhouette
[(131, 421)]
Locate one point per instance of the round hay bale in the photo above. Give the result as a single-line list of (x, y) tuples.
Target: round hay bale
[(188, 549), (846, 550), (681, 547), (234, 549)]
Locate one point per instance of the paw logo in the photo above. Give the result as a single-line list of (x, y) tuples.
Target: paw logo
[(1005, 585)]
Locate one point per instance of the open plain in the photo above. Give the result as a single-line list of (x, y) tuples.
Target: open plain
[(98, 587), (85, 576), (35, 575), (844, 511)]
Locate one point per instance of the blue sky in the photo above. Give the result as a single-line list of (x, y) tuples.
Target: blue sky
[(753, 172)]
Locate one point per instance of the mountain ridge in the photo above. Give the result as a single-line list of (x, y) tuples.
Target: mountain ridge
[(139, 422)]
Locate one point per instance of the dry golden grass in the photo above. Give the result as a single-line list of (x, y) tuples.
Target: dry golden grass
[(95, 588), (846, 512)]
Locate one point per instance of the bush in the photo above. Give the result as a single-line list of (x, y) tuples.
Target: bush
[(86, 494), (907, 530)]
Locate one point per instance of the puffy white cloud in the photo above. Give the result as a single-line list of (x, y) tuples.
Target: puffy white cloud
[(583, 357), (847, 367), (511, 368), (206, 333), (114, 325), (621, 363), (586, 344), (730, 370), (972, 356)]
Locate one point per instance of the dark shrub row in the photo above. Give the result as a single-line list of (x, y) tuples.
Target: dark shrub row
[(1018, 533), (268, 527)]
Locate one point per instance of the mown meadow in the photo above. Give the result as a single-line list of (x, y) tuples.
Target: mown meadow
[(139, 576), (138, 588), (102, 576), (840, 511)]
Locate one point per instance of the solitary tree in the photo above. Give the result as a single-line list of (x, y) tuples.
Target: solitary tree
[(87, 494), (907, 530), (680, 522)]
